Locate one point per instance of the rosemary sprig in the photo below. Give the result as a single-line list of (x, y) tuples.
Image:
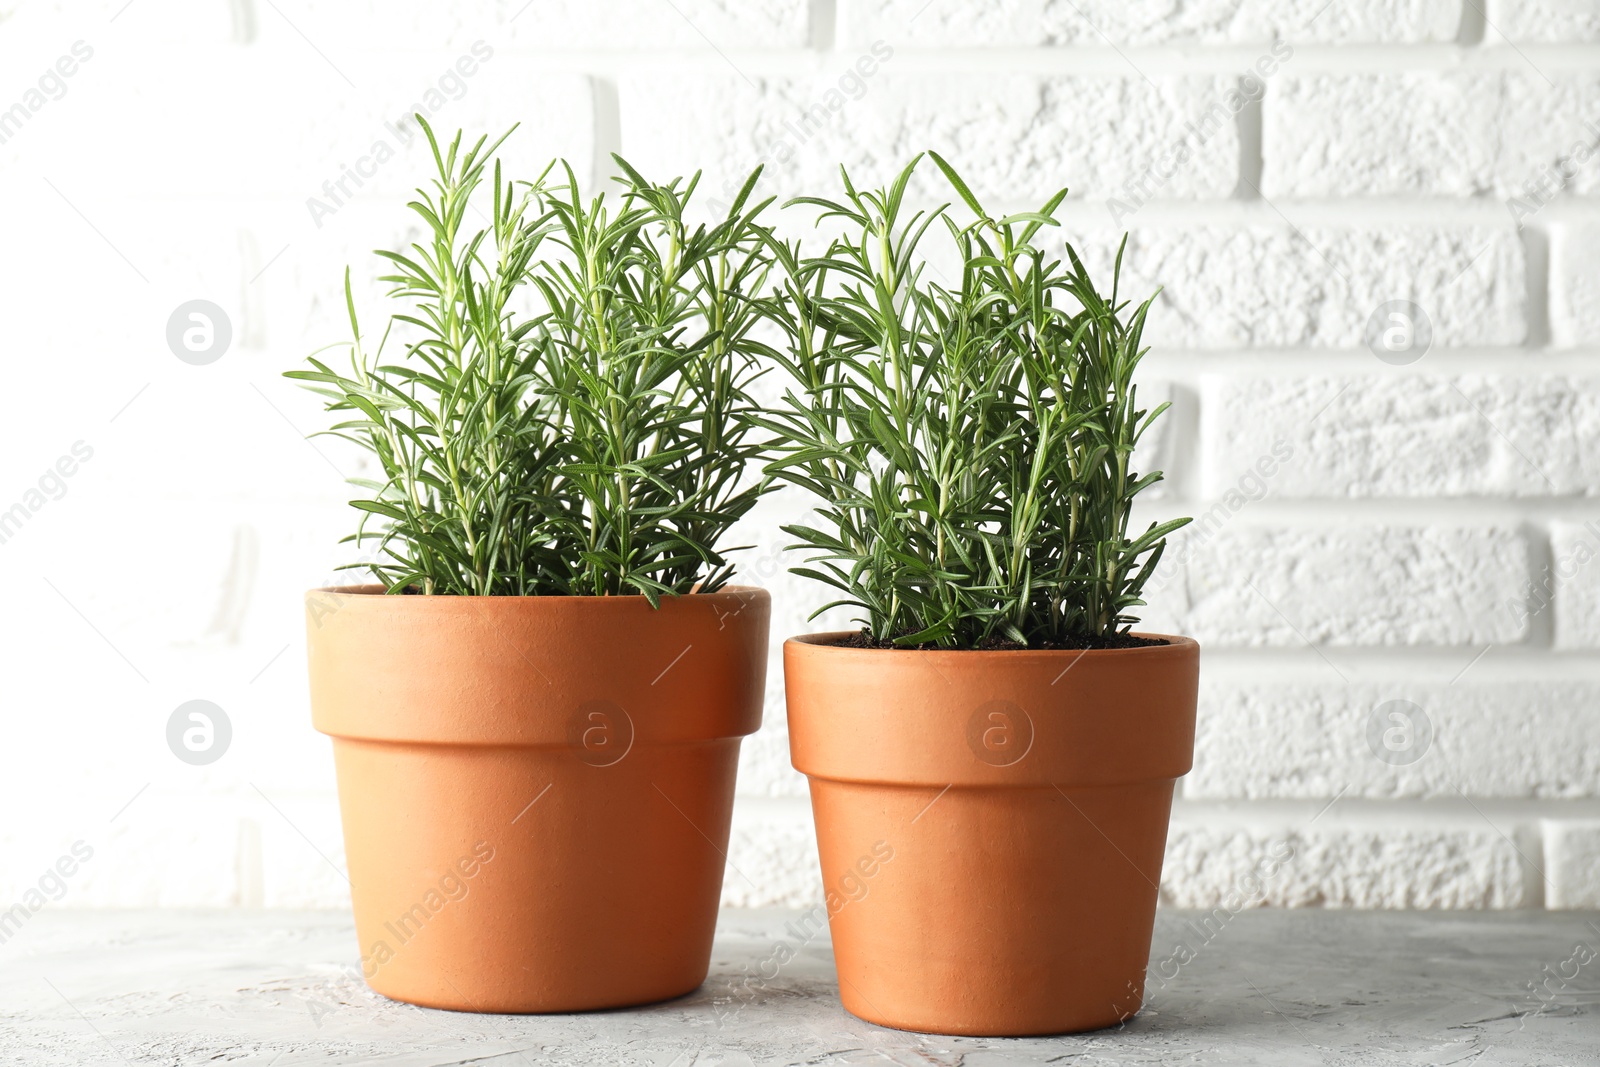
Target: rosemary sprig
[(601, 442), (970, 445)]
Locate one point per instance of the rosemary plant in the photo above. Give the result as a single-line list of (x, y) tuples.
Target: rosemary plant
[(571, 414), (970, 443)]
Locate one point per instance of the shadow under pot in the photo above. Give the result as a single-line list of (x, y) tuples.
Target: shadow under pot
[(991, 825), (536, 791)]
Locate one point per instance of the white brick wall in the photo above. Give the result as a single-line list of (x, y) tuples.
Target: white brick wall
[(1491, 435), (1271, 283), (1575, 285), (1347, 585), (1371, 532), (1438, 133), (1101, 23), (1020, 137), (1553, 21)]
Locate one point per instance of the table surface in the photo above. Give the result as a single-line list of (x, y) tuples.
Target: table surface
[(1267, 987)]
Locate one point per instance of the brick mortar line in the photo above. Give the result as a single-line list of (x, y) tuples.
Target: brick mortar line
[(1353, 812), (1443, 812), (1087, 211), (1171, 58), (1567, 57), (1237, 669), (1165, 62), (1174, 363), (1354, 212), (1505, 664), (1333, 512)]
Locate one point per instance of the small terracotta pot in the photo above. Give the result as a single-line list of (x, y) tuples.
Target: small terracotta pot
[(1021, 799), (536, 791)]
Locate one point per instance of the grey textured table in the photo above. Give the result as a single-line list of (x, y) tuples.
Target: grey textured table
[(1277, 988)]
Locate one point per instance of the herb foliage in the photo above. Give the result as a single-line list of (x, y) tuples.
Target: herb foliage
[(570, 413), (969, 443)]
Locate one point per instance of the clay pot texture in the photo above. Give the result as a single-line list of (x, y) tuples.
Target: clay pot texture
[(1022, 798), (536, 791)]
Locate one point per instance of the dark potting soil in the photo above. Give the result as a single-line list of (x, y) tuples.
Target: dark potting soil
[(864, 639)]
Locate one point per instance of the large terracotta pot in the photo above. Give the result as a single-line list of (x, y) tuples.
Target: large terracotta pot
[(536, 791), (991, 825)]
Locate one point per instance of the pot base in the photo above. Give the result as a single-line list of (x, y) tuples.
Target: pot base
[(549, 886), (1001, 913), (536, 791), (991, 826), (496, 1005), (942, 1029)]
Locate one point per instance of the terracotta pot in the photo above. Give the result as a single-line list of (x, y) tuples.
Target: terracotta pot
[(991, 825), (536, 791)]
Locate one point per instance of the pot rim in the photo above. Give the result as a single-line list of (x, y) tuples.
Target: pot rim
[(825, 641), (377, 594), (892, 718), (521, 670)]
